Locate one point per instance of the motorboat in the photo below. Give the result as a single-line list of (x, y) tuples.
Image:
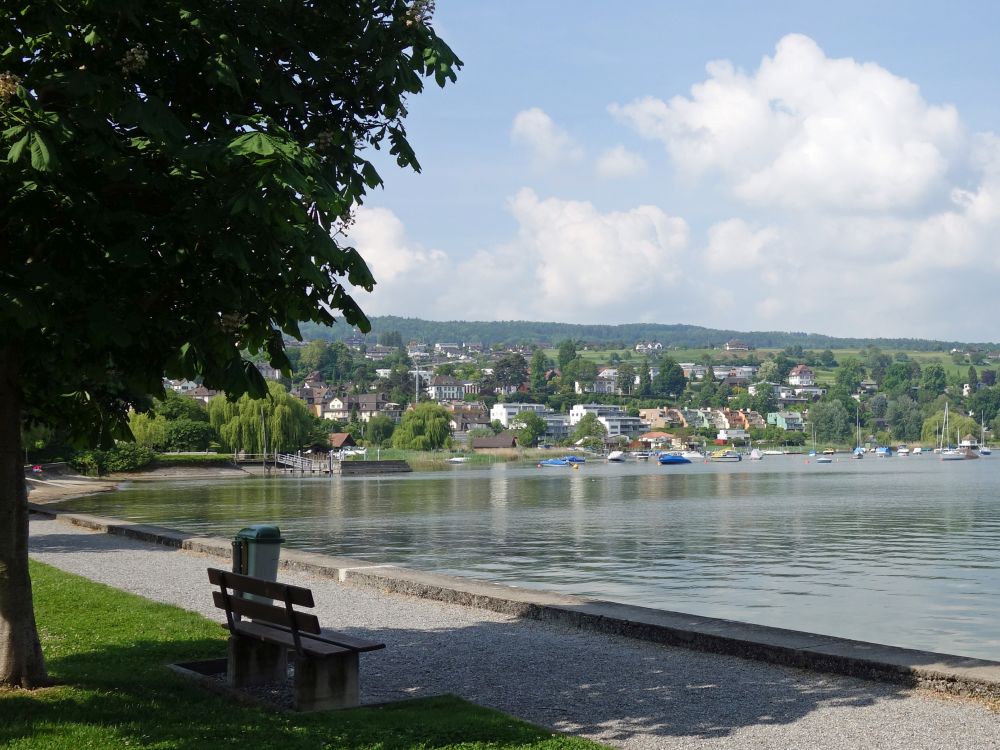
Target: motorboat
[(667, 459), (824, 459), (457, 459), (725, 455), (616, 457), (553, 462), (693, 455), (756, 454), (903, 450), (574, 459)]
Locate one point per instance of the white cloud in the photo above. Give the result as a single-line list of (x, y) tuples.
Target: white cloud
[(620, 162), (806, 131), (395, 261), (548, 144)]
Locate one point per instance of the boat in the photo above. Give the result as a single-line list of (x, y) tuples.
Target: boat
[(553, 462), (725, 455), (903, 450), (756, 454), (668, 459), (917, 451), (883, 451), (950, 452), (828, 451), (984, 450), (824, 459), (574, 459), (457, 459), (693, 455), (616, 457), (641, 455), (773, 452), (859, 451)]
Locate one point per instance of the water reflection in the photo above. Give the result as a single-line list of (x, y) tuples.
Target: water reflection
[(898, 550)]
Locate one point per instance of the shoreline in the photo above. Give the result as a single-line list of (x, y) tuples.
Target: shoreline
[(54, 486), (942, 673)]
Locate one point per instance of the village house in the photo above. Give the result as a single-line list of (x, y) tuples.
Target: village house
[(801, 375), (445, 388), (648, 346), (363, 407), (786, 420), (615, 421), (735, 345)]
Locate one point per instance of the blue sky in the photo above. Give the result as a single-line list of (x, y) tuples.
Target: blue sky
[(755, 166)]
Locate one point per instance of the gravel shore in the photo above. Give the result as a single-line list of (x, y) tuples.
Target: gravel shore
[(626, 693)]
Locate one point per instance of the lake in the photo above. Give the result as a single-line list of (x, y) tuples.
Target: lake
[(903, 550)]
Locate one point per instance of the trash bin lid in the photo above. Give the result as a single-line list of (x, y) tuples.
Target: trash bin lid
[(261, 533)]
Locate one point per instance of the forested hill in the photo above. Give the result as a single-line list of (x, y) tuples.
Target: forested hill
[(615, 336)]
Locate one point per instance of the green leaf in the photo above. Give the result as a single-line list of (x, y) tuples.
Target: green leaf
[(42, 157), (252, 143), (15, 151)]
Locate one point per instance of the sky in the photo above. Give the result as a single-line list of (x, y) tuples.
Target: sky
[(822, 167)]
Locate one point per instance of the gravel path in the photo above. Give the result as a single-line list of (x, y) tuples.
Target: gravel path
[(626, 693)]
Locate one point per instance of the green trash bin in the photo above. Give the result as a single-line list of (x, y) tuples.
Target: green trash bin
[(256, 550)]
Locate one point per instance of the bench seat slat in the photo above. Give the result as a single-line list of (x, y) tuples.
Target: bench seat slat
[(268, 634), (297, 595)]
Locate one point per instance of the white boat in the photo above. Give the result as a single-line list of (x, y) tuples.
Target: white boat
[(693, 455), (949, 452), (457, 459), (756, 454), (903, 450), (824, 459), (616, 457), (917, 451), (984, 450), (773, 452), (725, 455)]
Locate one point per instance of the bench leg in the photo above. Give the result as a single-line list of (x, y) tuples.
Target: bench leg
[(253, 662), (322, 684)]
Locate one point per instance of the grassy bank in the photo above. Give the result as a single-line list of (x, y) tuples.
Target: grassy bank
[(107, 652)]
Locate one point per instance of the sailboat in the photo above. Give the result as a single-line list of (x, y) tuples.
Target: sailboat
[(859, 451), (984, 449), (820, 459), (949, 453)]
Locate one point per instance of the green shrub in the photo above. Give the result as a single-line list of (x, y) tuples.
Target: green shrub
[(128, 457), (90, 462)]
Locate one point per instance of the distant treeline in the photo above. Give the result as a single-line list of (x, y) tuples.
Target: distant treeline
[(514, 332)]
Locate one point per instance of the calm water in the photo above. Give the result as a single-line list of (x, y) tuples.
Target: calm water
[(902, 550)]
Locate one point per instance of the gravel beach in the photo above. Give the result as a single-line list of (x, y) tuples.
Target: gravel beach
[(626, 693)]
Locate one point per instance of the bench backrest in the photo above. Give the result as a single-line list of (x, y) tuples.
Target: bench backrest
[(281, 613)]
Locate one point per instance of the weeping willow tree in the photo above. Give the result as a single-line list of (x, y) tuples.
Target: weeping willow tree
[(279, 422), (424, 428)]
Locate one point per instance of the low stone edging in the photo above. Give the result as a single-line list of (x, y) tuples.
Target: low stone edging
[(943, 672)]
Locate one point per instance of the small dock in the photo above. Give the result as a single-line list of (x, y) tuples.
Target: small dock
[(298, 464)]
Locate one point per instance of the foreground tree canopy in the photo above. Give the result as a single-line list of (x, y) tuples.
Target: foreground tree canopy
[(174, 180)]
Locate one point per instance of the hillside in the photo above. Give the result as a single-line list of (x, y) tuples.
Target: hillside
[(670, 335)]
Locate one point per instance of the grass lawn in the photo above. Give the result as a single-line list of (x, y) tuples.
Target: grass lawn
[(107, 652)]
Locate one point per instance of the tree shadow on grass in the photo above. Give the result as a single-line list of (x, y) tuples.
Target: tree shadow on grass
[(127, 696)]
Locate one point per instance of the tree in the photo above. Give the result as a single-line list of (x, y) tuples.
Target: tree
[(768, 372), (626, 378), (423, 428), (391, 338), (510, 370), (278, 423), (830, 420), (537, 368), (174, 406), (850, 374), (933, 380), (530, 427), (567, 352), (589, 427), (827, 359), (379, 430), (645, 387), (896, 379), (670, 380), (905, 418), (176, 178), (878, 405)]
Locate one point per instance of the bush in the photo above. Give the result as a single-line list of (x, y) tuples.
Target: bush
[(128, 457), (123, 457)]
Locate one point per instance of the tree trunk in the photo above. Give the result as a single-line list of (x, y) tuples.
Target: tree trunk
[(21, 662)]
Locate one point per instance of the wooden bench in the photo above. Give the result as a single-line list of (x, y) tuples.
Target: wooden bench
[(264, 627)]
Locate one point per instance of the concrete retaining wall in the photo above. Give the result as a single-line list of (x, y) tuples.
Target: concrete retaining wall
[(944, 672)]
